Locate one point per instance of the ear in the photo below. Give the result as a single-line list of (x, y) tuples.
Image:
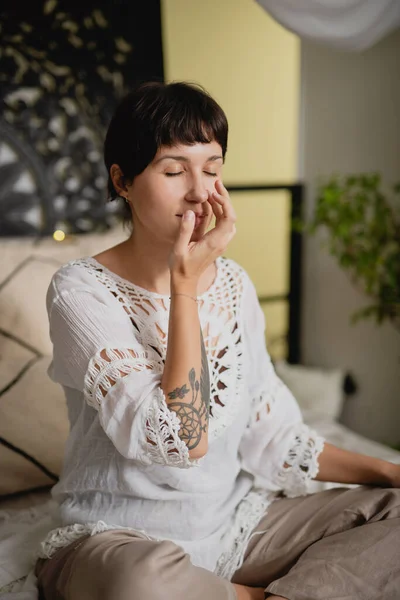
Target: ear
[(118, 180)]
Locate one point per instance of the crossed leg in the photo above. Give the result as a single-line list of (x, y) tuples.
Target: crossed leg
[(337, 543)]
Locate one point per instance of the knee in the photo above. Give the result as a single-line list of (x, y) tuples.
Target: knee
[(155, 574), (374, 503), (387, 504)]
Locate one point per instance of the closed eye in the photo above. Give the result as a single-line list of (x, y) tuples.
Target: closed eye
[(180, 173)]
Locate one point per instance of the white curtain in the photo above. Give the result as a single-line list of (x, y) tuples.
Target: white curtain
[(344, 24)]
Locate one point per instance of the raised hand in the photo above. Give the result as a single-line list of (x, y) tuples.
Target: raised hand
[(188, 260)]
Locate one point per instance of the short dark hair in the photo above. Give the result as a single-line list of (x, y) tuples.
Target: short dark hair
[(157, 114)]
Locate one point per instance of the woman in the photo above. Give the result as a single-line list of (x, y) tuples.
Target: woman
[(187, 465)]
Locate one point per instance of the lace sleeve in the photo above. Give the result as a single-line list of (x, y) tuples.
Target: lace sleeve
[(277, 447), (301, 463), (158, 427), (96, 351)]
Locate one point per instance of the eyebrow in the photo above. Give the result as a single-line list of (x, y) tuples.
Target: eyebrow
[(185, 159)]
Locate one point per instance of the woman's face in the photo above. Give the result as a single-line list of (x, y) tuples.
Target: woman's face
[(178, 179)]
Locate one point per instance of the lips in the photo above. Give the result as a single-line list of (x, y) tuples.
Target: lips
[(198, 219)]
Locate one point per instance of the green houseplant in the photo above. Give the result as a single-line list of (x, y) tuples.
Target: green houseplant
[(363, 234)]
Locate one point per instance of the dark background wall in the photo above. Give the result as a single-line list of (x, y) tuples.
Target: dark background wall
[(63, 67)]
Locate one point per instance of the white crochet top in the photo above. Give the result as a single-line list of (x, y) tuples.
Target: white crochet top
[(125, 465)]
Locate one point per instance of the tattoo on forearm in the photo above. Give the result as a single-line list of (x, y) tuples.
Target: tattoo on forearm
[(193, 415)]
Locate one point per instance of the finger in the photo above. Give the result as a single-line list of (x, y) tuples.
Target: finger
[(225, 219), (205, 222), (185, 232), (216, 207), (221, 235), (225, 205), (209, 211), (223, 231), (221, 189)]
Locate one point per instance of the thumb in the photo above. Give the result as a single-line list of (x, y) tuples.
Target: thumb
[(185, 231)]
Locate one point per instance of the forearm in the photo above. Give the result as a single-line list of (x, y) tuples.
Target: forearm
[(343, 466), (185, 380)]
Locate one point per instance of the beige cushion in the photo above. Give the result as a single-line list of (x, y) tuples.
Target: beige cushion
[(33, 416), (23, 304), (13, 357), (26, 269), (34, 425)]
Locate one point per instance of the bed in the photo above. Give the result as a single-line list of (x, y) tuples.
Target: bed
[(33, 424), (33, 512)]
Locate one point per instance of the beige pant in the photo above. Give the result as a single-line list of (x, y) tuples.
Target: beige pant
[(341, 544)]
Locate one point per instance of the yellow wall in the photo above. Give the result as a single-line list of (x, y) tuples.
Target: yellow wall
[(250, 65)]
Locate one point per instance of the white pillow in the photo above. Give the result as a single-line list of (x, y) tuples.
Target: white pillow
[(319, 392)]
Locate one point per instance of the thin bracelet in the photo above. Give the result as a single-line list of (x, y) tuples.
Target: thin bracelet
[(187, 295)]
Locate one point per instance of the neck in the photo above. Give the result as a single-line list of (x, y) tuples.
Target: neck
[(146, 262)]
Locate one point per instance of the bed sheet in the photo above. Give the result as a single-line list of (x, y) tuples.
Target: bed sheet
[(25, 521)]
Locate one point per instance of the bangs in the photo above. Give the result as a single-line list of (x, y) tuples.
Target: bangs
[(186, 115)]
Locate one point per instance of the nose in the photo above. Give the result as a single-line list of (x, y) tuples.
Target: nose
[(198, 192)]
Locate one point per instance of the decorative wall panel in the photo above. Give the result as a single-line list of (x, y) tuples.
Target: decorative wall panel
[(62, 69)]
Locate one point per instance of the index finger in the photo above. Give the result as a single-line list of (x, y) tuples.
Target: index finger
[(225, 219), (221, 189), (226, 210)]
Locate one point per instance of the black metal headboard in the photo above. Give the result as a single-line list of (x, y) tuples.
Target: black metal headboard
[(293, 297)]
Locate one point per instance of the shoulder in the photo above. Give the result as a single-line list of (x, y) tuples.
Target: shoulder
[(235, 276), (75, 277), (241, 289)]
